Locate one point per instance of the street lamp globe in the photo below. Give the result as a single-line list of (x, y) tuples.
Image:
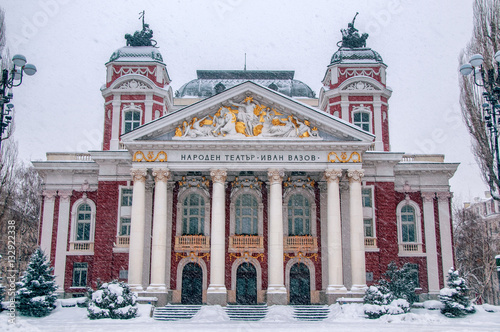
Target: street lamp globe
[(19, 60)]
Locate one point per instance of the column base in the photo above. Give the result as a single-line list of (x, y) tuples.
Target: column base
[(276, 294), (156, 288), (217, 294), (136, 288), (336, 289), (358, 289)]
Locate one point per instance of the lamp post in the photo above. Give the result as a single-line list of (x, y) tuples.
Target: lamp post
[(11, 78), (489, 80)]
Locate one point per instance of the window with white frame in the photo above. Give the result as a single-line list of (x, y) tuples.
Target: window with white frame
[(246, 215), (83, 222), (408, 224), (132, 120), (409, 227), (367, 197), (368, 225), (193, 214), (362, 120), (126, 197), (124, 226), (299, 215), (80, 271)]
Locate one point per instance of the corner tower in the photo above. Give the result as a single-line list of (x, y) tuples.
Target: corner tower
[(137, 88), (354, 87)]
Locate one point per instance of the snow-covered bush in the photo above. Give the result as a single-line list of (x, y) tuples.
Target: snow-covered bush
[(401, 282), (454, 297), (112, 300), (396, 307), (378, 295), (35, 292)]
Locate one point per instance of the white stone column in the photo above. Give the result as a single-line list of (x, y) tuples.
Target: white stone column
[(115, 126), (276, 291), (358, 270), (445, 232), (62, 238), (159, 246), (216, 292), (47, 220), (136, 247), (430, 243), (334, 233), (377, 130)]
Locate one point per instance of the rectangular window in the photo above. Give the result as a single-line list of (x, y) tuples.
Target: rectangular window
[(126, 197), (124, 226), (79, 275), (368, 222), (367, 197), (414, 274)]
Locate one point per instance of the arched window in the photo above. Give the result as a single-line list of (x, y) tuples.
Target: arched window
[(408, 224), (193, 215), (362, 120), (83, 222), (132, 120), (246, 218), (299, 216)]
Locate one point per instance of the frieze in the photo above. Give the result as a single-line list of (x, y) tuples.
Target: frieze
[(133, 84), (150, 156), (361, 86), (354, 157), (247, 119)]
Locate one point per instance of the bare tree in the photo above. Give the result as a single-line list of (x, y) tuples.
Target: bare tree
[(486, 41), (475, 249)]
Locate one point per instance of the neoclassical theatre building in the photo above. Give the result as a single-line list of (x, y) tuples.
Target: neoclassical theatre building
[(243, 187)]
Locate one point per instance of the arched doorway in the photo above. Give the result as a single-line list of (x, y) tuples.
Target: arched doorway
[(300, 285), (192, 284), (246, 284)]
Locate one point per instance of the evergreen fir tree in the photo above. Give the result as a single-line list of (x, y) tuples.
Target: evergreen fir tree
[(401, 282), (35, 294), (454, 297)]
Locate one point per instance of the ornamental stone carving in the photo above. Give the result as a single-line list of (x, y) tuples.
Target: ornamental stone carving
[(64, 194), (333, 175), (133, 84), (275, 175), (360, 85), (139, 174), (161, 174), (247, 118), (428, 196), (355, 175), (443, 195), (49, 194), (218, 175)]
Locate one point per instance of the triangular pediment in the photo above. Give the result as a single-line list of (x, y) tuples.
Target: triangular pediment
[(251, 113)]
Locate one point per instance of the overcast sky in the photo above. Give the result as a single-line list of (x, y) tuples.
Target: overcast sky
[(61, 107)]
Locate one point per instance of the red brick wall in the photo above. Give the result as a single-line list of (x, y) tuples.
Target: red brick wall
[(53, 241)]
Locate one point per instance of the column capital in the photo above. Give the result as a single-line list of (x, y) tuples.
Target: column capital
[(65, 194), (355, 175), (139, 174), (443, 195), (428, 196), (275, 175), (49, 194), (333, 175), (161, 174), (218, 175)]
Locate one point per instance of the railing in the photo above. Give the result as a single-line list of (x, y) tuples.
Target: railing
[(248, 243), (303, 244), (73, 156), (123, 241), (370, 242), (198, 243), (435, 158), (410, 247), (81, 246)]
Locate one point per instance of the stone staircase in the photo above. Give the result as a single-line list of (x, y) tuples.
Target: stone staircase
[(246, 312), (310, 312), (175, 312)]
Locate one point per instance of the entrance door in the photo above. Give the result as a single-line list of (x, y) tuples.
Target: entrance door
[(192, 284), (300, 291), (246, 284)]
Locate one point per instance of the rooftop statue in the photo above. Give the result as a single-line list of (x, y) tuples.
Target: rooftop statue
[(141, 38), (351, 37)]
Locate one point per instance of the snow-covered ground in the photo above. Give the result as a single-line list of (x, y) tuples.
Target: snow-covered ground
[(348, 317)]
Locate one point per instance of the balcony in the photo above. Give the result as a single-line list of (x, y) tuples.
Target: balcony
[(188, 243), (81, 246), (304, 244), (122, 241), (246, 243), (410, 248), (370, 242)]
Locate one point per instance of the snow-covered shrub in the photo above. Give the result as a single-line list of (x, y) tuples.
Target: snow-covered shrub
[(454, 297), (401, 282), (378, 295), (35, 292), (112, 300), (396, 307)]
